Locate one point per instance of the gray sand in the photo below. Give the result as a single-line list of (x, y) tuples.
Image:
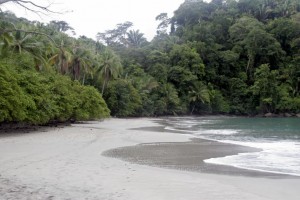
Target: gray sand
[(188, 156), (67, 163)]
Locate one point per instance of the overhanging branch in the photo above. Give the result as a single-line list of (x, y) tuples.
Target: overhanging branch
[(31, 6)]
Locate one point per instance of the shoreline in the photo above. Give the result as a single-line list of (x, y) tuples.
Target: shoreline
[(23, 126), (190, 156), (67, 163), (233, 149)]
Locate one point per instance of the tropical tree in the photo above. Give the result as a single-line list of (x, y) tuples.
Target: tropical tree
[(198, 94), (252, 39), (115, 37), (164, 23), (122, 98), (186, 67), (82, 63), (265, 87), (135, 38), (285, 31), (61, 58), (110, 68), (25, 42), (61, 26)]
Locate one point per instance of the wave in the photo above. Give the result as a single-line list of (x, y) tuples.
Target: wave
[(276, 156)]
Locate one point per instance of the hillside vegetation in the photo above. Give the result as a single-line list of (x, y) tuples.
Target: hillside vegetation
[(226, 56)]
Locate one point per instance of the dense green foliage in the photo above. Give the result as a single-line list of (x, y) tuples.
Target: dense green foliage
[(32, 87), (39, 98), (226, 56)]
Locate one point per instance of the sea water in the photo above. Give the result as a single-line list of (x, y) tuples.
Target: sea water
[(277, 138)]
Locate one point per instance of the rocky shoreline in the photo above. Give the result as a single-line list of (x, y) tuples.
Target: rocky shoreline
[(279, 115)]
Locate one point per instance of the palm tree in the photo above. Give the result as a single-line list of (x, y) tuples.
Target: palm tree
[(170, 98), (6, 40), (76, 61), (110, 67), (81, 63), (145, 84), (199, 93), (135, 38), (20, 42), (61, 58)]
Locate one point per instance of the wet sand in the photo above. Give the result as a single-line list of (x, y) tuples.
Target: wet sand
[(188, 156), (115, 159)]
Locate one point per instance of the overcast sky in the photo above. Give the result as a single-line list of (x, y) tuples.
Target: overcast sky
[(88, 17)]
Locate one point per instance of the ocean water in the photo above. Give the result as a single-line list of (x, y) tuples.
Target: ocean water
[(278, 139)]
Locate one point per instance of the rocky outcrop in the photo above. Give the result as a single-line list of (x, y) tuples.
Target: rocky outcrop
[(287, 115), (269, 115)]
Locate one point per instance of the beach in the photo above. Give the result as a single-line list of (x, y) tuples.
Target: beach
[(129, 159)]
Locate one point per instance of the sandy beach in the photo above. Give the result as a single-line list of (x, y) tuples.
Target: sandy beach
[(130, 159)]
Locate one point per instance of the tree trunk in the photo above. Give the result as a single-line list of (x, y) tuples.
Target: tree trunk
[(250, 62), (103, 86), (83, 79), (193, 109)]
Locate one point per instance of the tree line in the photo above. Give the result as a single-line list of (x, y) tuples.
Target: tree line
[(226, 56)]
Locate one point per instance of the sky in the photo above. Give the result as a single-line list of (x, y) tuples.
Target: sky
[(88, 17)]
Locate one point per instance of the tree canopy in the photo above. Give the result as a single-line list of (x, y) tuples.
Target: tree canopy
[(225, 56)]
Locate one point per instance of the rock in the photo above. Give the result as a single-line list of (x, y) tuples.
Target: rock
[(268, 115), (298, 115), (287, 115)]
